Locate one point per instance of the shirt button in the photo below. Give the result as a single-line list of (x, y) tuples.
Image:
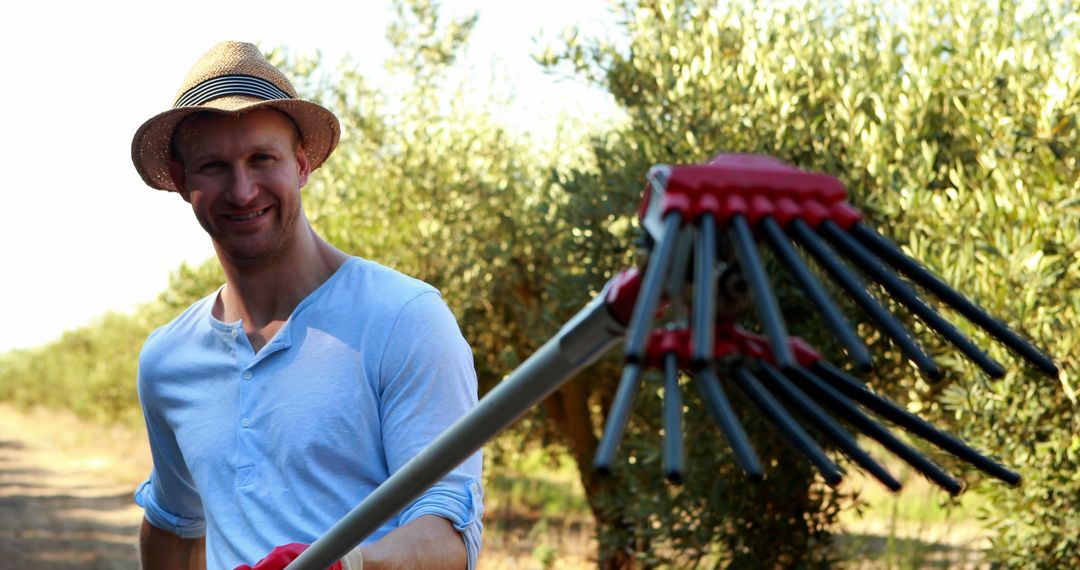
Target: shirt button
[(245, 422), (474, 488), (247, 375), (235, 333)]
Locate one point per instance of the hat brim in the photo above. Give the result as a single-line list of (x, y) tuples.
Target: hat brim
[(150, 152)]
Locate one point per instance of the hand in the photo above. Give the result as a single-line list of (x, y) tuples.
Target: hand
[(280, 557)]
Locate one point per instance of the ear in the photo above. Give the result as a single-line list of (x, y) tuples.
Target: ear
[(176, 173), (303, 165)]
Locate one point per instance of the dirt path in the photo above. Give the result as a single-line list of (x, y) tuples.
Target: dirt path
[(65, 503), (65, 493)]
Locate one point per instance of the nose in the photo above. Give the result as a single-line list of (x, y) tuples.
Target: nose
[(243, 187)]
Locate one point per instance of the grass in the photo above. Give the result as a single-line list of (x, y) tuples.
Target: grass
[(919, 527), (537, 517)]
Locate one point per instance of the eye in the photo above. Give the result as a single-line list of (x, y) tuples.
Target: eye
[(262, 157), (210, 167)]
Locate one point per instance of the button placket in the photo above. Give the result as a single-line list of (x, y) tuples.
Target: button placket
[(246, 438), (246, 398)]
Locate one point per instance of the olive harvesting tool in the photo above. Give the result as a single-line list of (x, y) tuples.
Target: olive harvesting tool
[(700, 268)]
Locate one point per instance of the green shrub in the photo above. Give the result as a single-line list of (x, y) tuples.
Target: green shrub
[(954, 127)]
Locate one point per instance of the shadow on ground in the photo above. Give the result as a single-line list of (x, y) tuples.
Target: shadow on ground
[(61, 518), (877, 551)]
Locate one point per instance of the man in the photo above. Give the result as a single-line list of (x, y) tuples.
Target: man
[(277, 403)]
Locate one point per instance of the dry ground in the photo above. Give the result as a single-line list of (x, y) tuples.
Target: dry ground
[(65, 503), (65, 494)]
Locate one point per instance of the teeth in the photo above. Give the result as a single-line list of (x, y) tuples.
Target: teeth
[(248, 216)]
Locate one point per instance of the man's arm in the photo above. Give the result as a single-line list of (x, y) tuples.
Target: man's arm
[(428, 542), (163, 550), (428, 383)]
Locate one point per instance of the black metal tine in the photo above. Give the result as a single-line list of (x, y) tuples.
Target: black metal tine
[(845, 408), (761, 291), (673, 420), (675, 281), (617, 419), (786, 425), (915, 271), (793, 396), (637, 334), (704, 317), (716, 401), (637, 338), (855, 288), (785, 252), (889, 410), (673, 428), (904, 293)]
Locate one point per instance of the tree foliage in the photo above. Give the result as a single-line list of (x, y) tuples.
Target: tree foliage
[(91, 370), (954, 127)]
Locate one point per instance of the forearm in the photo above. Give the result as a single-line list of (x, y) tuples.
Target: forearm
[(428, 542), (163, 550)]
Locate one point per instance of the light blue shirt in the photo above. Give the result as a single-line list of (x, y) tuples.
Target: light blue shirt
[(255, 450)]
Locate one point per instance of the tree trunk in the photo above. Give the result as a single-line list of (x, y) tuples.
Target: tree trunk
[(569, 409)]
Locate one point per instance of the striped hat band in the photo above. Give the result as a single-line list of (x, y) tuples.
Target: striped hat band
[(226, 85)]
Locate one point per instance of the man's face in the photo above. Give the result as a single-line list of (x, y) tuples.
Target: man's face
[(242, 176)]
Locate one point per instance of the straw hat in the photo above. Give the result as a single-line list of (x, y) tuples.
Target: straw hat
[(231, 78)]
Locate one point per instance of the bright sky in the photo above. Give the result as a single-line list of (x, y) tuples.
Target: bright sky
[(80, 233)]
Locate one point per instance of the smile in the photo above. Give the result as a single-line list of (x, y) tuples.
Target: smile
[(249, 216)]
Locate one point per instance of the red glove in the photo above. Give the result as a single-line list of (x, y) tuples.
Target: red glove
[(280, 557)]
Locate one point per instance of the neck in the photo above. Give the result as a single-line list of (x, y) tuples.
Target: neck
[(266, 292)]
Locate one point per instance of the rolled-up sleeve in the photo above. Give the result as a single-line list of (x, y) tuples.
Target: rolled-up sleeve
[(428, 382), (161, 517), (463, 507), (168, 497)]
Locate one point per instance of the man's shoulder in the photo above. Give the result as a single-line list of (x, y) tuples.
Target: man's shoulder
[(372, 300), (378, 286), (183, 326)]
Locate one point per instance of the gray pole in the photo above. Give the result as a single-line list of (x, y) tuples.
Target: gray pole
[(582, 340)]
